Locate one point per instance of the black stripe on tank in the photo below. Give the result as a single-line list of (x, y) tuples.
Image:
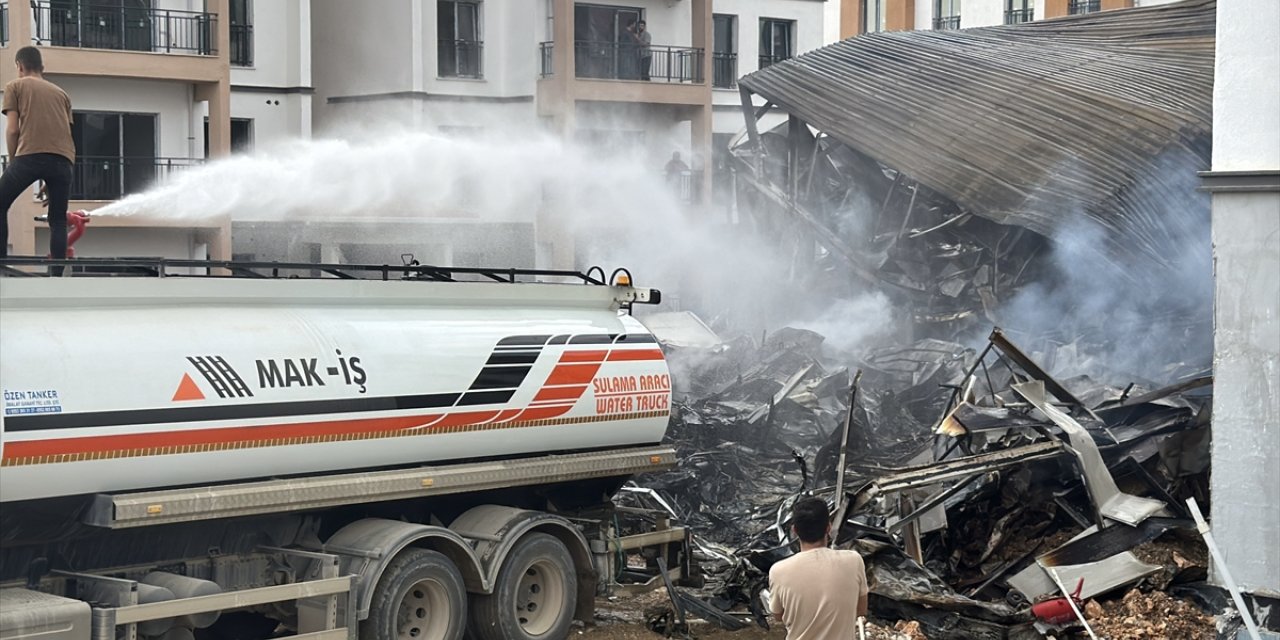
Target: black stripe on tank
[(500, 377), (227, 412)]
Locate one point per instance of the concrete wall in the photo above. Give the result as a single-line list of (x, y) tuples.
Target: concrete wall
[(108, 242), (985, 13), (1245, 485), (817, 24), (362, 48), (281, 45), (1246, 91)]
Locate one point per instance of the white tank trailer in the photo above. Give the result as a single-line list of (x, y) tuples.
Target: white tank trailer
[(405, 452)]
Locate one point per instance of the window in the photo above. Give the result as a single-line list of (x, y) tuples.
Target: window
[(1019, 11), (115, 154), (946, 14), (1077, 7), (241, 135), (603, 47), (240, 16), (873, 16), (102, 24), (461, 48), (775, 41), (724, 51)]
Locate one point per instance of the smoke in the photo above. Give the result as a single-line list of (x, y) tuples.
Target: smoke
[(1114, 307), (850, 325)]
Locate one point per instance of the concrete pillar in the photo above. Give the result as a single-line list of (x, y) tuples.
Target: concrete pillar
[(1054, 9), (700, 143), (562, 49), (850, 18), (900, 15), (218, 95)]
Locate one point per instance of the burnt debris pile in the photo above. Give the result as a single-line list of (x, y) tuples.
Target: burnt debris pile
[(980, 489)]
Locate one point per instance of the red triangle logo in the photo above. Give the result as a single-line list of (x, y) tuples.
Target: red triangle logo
[(187, 390)]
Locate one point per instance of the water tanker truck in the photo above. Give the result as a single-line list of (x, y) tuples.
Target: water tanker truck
[(237, 451)]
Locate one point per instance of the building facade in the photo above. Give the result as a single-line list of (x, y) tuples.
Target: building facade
[(157, 87), (140, 77), (561, 67), (1245, 186), (863, 16)]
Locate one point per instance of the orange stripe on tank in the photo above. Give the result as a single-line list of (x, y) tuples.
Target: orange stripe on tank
[(560, 393), (631, 355), (572, 374)]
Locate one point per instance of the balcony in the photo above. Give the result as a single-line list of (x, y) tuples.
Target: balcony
[(1019, 16), (945, 23), (1077, 7), (66, 23), (242, 45), (766, 60), (460, 59), (619, 61), (113, 177), (724, 70)]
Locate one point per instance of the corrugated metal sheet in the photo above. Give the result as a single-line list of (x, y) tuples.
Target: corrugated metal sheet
[(1106, 114)]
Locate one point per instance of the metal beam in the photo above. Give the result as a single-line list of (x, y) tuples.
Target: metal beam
[(117, 511)]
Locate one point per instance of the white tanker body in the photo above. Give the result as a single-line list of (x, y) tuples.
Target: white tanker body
[(162, 402), (128, 383)]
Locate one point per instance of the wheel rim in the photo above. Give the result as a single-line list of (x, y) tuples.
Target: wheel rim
[(424, 612), (540, 597)]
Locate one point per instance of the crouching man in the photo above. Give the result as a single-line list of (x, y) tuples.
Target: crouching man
[(819, 593)]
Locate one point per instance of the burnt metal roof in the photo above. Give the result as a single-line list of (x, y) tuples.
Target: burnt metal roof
[(1106, 114)]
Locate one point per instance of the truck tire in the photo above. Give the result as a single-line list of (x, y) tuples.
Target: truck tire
[(420, 596), (534, 597)]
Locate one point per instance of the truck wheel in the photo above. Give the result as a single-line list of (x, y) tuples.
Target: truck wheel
[(535, 594), (420, 596)]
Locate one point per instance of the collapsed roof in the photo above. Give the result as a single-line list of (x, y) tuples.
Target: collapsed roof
[(1106, 115)]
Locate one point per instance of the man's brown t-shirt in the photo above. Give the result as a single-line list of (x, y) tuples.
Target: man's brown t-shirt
[(817, 592), (44, 117)]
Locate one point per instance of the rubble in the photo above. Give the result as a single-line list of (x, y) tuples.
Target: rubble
[(973, 479), (1148, 616)]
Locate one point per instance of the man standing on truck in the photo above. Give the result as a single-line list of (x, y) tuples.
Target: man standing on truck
[(819, 592), (38, 134)]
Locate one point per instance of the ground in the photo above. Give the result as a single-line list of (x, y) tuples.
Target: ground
[(622, 618)]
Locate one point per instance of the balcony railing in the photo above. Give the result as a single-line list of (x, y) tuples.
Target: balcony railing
[(766, 60), (1077, 7), (69, 23), (110, 178), (724, 70), (621, 61), (545, 50), (946, 22), (1019, 16), (242, 45), (460, 59)]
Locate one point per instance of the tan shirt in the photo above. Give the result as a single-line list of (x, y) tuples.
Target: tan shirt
[(44, 117), (817, 593)]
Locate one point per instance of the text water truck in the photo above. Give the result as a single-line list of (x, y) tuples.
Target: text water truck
[(252, 457)]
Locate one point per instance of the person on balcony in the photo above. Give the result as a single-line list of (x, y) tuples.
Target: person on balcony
[(38, 135), (646, 53)]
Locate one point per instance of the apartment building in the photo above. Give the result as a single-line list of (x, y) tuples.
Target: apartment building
[(862, 16), (471, 67), (158, 86), (140, 76)]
